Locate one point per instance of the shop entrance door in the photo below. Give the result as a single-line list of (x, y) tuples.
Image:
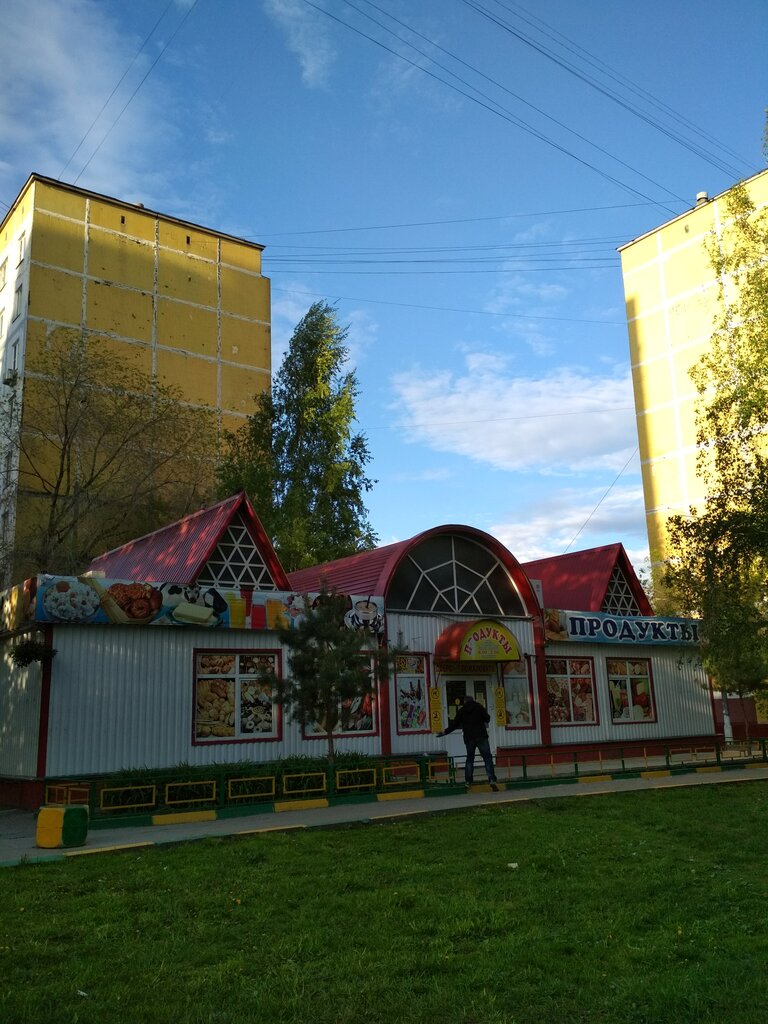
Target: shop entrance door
[(457, 689)]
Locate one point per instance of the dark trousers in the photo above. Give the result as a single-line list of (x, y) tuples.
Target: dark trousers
[(485, 752)]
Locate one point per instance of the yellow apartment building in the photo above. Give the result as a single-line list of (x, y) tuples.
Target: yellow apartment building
[(188, 303), (671, 296)]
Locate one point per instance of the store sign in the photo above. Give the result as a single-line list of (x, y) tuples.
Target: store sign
[(601, 628), (488, 641)]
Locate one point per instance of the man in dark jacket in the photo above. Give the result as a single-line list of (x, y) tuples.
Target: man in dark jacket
[(472, 719)]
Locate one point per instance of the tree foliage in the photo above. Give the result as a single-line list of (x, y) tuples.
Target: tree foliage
[(299, 458), (719, 567), (104, 453), (330, 667)]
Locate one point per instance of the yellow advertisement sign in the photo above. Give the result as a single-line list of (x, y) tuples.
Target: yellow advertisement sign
[(500, 706), (435, 709)]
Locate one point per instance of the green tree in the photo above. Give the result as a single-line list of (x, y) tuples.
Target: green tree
[(298, 456), (103, 453), (720, 562), (331, 669)]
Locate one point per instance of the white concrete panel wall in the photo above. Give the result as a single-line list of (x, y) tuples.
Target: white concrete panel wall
[(123, 698), (681, 693), (19, 716)]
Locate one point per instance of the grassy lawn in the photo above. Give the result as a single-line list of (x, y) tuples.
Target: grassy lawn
[(643, 907)]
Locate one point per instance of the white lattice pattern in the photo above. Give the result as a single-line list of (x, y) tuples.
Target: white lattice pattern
[(619, 599), (237, 562)]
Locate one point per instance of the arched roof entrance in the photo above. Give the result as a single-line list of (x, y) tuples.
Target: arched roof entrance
[(446, 570)]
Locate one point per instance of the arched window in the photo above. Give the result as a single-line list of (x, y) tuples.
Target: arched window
[(452, 573)]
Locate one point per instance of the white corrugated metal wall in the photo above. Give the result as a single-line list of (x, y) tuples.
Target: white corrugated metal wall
[(122, 697), (681, 693), (19, 716)]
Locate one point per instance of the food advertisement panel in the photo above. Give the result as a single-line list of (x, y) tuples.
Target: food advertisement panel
[(517, 696), (629, 685), (92, 599), (354, 715), (232, 700), (571, 691), (411, 693)]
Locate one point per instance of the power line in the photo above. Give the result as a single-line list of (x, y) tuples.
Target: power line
[(496, 108), (383, 258), (458, 220), (610, 72), (597, 506), (511, 419), (133, 94), (452, 309), (502, 270), (565, 65), (561, 243), (498, 85)]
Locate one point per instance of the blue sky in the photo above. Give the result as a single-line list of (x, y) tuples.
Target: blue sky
[(455, 175)]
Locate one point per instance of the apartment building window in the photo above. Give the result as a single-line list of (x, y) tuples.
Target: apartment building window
[(3, 273), (22, 245), (2, 321), (14, 354), (8, 467), (17, 301)]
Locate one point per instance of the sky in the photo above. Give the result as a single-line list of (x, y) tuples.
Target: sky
[(454, 176)]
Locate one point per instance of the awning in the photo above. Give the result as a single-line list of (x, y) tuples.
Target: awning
[(482, 640)]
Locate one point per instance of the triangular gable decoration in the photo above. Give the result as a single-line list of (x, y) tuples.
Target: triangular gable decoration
[(619, 599), (237, 561)]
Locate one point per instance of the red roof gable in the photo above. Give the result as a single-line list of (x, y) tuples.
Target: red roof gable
[(178, 553), (579, 580)]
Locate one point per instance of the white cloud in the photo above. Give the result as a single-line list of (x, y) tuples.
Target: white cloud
[(307, 37), (363, 331), (575, 519), (292, 305), (287, 310), (432, 475), (568, 421), (516, 291), (61, 60)]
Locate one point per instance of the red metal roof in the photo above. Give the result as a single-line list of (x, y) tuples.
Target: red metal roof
[(356, 574), (579, 580), (178, 553)]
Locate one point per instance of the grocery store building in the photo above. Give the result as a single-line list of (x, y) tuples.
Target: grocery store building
[(158, 648)]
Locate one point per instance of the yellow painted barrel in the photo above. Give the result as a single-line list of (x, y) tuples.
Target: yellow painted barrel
[(61, 826)]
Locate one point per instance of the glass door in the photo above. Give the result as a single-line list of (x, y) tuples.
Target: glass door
[(456, 690)]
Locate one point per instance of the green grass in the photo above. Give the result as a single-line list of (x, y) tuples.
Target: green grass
[(641, 908)]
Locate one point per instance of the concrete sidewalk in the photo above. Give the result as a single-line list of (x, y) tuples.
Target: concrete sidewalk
[(17, 828)]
